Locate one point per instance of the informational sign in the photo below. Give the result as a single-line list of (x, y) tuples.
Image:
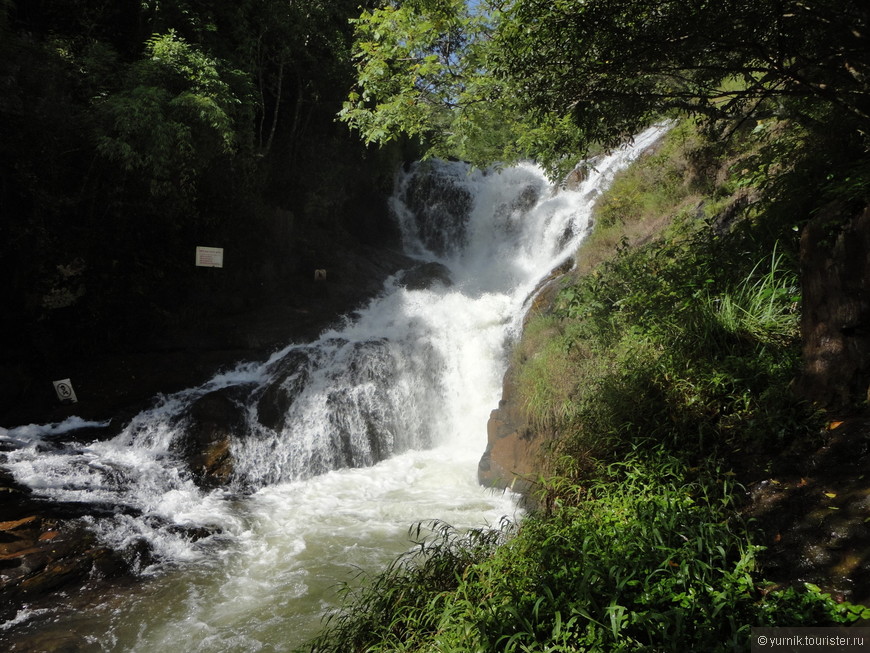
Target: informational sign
[(210, 257), (65, 392), (320, 275)]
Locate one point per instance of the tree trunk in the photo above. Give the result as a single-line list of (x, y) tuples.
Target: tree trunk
[(835, 279)]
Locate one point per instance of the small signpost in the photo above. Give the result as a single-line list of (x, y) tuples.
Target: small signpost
[(210, 257), (320, 275), (65, 392)]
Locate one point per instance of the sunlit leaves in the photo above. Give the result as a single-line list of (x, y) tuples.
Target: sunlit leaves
[(555, 78), (421, 72)]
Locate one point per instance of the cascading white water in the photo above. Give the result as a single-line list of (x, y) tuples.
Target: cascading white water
[(345, 442)]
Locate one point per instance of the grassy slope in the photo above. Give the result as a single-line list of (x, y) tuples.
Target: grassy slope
[(666, 357)]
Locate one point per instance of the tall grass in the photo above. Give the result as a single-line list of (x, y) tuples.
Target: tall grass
[(764, 306), (399, 608)]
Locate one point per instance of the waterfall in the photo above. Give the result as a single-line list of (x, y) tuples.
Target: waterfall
[(376, 424)]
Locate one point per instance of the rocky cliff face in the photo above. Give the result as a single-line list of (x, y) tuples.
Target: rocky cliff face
[(511, 456)]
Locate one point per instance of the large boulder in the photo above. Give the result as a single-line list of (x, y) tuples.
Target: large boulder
[(426, 275), (511, 459), (213, 421), (440, 203)]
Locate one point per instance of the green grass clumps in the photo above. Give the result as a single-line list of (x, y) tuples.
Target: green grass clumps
[(690, 338), (399, 608), (666, 182), (663, 344), (552, 364), (651, 557), (655, 184), (763, 306)]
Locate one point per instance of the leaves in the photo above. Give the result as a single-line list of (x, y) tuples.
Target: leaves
[(174, 116), (650, 557), (421, 72), (553, 79)]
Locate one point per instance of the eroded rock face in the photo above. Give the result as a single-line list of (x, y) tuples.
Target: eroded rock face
[(513, 452), (513, 447), (426, 275), (835, 326), (44, 550)]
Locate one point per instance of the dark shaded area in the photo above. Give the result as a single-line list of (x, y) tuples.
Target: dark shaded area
[(813, 505), (130, 133)]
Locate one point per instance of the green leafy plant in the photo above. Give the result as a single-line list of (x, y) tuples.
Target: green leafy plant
[(764, 306), (651, 556)]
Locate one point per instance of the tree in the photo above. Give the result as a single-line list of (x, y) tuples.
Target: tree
[(176, 113), (422, 72), (570, 74), (614, 64)]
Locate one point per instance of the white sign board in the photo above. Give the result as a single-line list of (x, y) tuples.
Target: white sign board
[(65, 391), (210, 257)]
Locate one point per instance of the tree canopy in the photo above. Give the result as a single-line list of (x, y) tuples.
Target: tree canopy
[(558, 77), (421, 71)]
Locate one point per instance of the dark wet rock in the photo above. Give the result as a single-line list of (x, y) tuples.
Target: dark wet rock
[(441, 205), (40, 555), (425, 275), (527, 198), (193, 533), (15, 499), (369, 362), (212, 422), (574, 179), (289, 378)]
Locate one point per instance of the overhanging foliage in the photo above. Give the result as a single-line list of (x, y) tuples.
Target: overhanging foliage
[(558, 77)]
